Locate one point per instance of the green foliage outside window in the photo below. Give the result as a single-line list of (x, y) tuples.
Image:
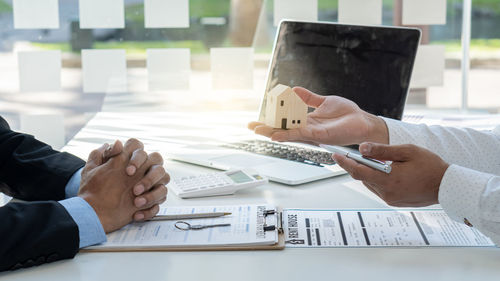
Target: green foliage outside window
[(4, 7), (197, 9)]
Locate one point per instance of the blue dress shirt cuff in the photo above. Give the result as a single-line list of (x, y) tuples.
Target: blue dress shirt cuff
[(89, 225), (73, 185)]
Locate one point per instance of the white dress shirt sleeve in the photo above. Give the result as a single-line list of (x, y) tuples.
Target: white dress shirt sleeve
[(477, 150), (470, 189)]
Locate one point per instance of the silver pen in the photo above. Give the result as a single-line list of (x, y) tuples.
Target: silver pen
[(190, 216), (354, 155)]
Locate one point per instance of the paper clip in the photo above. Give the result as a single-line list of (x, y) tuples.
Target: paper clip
[(182, 225)]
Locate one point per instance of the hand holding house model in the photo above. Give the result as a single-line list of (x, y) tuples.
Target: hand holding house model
[(285, 109)]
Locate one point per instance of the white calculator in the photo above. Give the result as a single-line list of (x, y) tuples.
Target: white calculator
[(214, 184)]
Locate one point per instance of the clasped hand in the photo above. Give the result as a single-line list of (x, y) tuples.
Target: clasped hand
[(124, 183)]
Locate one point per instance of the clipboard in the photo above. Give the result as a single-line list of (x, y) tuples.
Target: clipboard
[(278, 246), (278, 226)]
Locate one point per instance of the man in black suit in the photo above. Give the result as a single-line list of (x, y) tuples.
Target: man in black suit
[(70, 204)]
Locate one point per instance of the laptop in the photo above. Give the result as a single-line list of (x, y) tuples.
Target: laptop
[(370, 65)]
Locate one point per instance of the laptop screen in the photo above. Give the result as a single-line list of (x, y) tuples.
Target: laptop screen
[(369, 65)]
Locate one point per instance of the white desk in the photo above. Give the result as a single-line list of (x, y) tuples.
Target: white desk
[(164, 131)]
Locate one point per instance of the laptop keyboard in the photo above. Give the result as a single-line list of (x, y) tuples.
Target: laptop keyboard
[(283, 151)]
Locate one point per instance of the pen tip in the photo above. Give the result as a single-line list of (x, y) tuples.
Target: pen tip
[(227, 214)]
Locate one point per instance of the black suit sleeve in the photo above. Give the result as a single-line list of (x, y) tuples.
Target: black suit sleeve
[(31, 170), (34, 233)]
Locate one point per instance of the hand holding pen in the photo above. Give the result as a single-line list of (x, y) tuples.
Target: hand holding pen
[(415, 178)]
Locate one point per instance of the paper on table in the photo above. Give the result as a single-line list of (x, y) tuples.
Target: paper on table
[(39, 71), (232, 68), (48, 128), (36, 14), (104, 71), (166, 13), (306, 10), (377, 228), (429, 67), (424, 12), (102, 14), (168, 69), (360, 11), (246, 229)]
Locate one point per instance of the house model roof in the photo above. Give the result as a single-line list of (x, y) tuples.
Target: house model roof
[(279, 90)]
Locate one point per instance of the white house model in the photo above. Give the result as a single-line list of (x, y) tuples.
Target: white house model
[(284, 109)]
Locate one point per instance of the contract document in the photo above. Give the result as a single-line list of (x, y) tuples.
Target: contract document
[(247, 228), (377, 228)]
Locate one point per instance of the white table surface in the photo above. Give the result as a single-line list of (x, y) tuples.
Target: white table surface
[(163, 132)]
